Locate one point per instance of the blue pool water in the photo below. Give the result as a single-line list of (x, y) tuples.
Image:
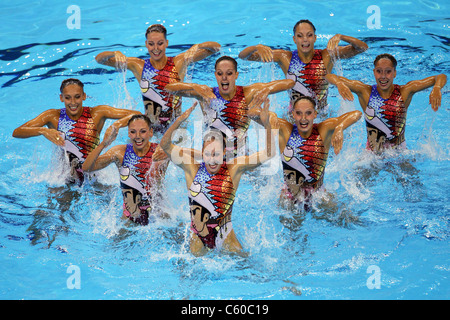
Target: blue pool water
[(391, 221)]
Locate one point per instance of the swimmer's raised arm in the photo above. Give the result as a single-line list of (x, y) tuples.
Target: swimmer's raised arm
[(257, 93), (355, 46), (332, 129), (266, 54), (346, 87), (95, 161), (104, 112), (181, 157), (244, 163), (45, 124), (195, 53), (438, 81), (193, 90), (199, 51), (259, 52), (118, 60)]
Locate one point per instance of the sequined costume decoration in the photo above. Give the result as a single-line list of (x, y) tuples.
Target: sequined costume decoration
[(160, 106), (230, 117), (309, 78), (385, 120), (81, 137), (211, 198), (136, 180), (304, 162)]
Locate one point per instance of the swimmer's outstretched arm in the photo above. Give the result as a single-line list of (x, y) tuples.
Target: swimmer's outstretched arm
[(200, 51), (266, 54), (258, 52), (241, 164), (118, 60), (201, 92), (193, 90), (336, 127), (355, 46), (346, 87), (95, 161), (257, 93), (438, 82), (45, 124), (182, 157)]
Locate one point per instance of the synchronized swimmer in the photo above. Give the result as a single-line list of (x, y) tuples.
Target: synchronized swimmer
[(212, 174), (306, 65)]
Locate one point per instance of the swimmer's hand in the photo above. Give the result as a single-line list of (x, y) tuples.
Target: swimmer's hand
[(205, 92), (121, 60), (110, 135), (259, 97), (159, 154), (435, 98), (265, 53), (337, 140), (264, 114), (257, 53), (333, 43), (54, 136), (187, 113), (344, 91), (190, 53)]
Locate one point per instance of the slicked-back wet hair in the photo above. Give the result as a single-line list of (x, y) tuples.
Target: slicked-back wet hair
[(385, 56)]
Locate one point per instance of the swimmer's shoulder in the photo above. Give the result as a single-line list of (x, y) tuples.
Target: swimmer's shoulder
[(282, 57), (49, 116), (117, 153)]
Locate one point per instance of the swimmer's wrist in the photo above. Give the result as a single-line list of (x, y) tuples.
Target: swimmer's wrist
[(102, 145), (43, 130)]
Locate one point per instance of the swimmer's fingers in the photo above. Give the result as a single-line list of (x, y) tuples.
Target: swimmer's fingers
[(159, 154), (190, 53), (333, 43), (435, 98), (188, 112), (265, 53), (110, 135), (121, 59), (259, 97), (345, 92), (337, 140), (55, 137), (264, 114), (205, 92)]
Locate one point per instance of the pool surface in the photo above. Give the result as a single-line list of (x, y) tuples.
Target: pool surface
[(386, 238)]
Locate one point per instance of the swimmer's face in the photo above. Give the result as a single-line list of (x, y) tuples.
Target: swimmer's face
[(304, 115), (384, 73), (73, 97), (304, 37), (213, 156), (140, 134), (156, 45), (226, 76)]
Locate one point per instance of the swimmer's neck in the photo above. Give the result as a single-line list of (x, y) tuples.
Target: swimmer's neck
[(385, 93), (304, 135), (143, 152), (306, 57), (228, 96), (75, 117), (159, 64)]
